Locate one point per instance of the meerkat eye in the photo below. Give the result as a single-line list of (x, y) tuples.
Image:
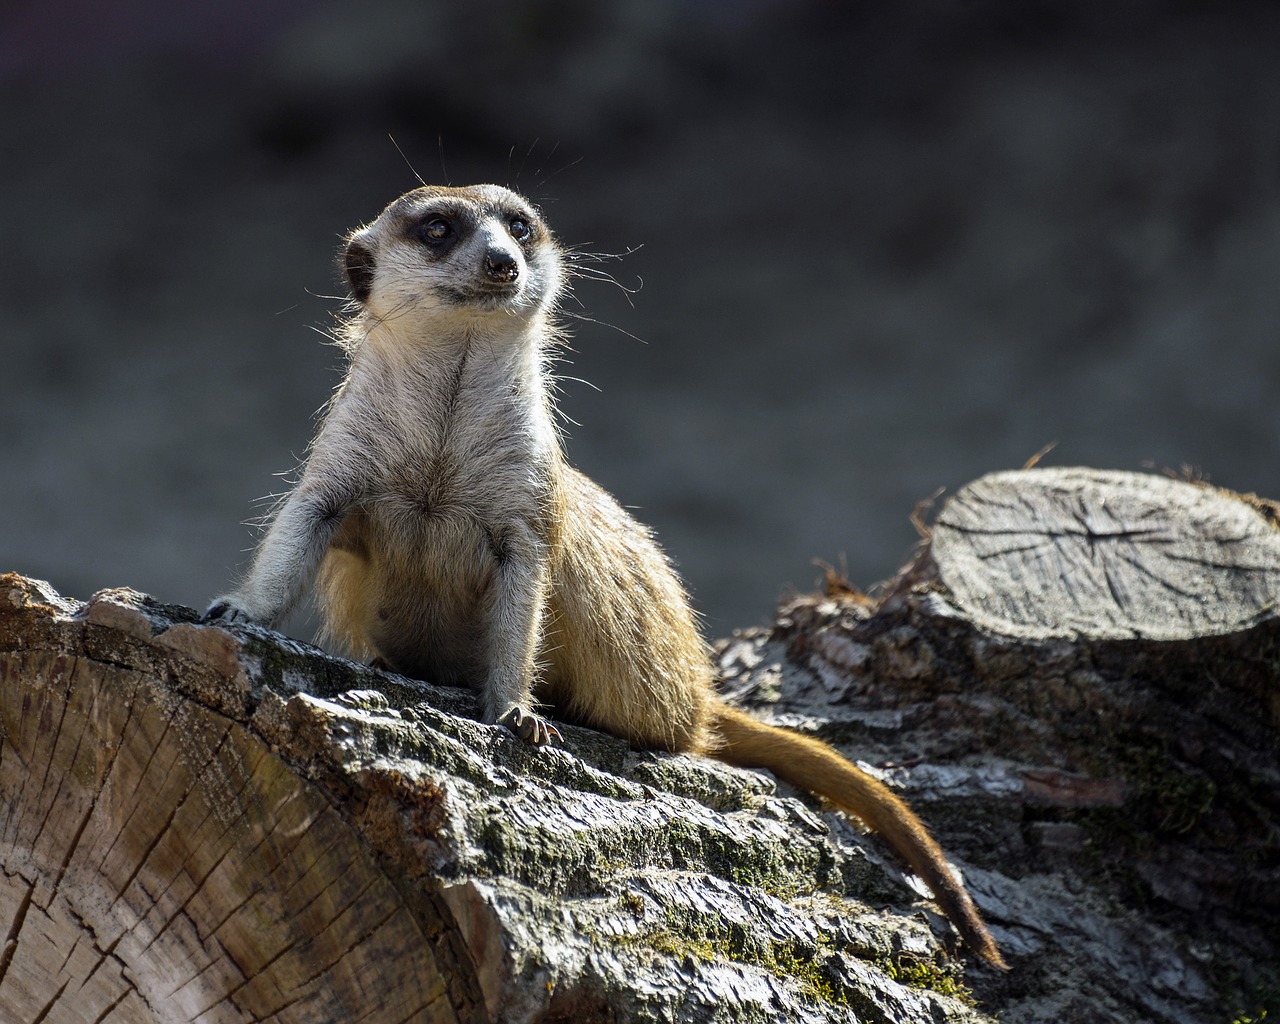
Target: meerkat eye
[(520, 229), (437, 229)]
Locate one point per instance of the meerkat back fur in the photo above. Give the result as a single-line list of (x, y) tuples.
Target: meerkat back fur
[(447, 538)]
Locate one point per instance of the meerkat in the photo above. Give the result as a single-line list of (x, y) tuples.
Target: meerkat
[(448, 539)]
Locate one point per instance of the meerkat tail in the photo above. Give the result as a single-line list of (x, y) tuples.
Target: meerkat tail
[(812, 765)]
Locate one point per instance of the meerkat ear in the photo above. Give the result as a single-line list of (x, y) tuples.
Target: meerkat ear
[(358, 265)]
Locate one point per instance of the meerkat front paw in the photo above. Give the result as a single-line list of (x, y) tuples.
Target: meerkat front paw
[(533, 729), (228, 608)]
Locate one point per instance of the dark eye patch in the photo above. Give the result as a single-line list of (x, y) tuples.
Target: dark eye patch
[(439, 225)]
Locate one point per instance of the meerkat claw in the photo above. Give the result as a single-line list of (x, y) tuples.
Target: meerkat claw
[(533, 729)]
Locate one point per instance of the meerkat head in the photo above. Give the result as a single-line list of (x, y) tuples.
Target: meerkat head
[(474, 252)]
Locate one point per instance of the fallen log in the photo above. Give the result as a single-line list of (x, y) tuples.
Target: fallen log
[(207, 826)]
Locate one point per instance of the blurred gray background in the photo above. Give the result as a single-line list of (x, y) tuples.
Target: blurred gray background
[(884, 249)]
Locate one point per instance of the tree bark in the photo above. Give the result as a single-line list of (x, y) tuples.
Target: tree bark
[(210, 825)]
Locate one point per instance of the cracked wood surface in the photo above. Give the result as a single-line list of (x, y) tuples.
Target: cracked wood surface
[(160, 863), (200, 824), (1066, 552)]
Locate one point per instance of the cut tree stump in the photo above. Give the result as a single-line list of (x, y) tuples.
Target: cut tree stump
[(203, 825), (1067, 553), (1075, 683)]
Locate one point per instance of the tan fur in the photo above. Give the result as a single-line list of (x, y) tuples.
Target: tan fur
[(621, 649), (448, 539)]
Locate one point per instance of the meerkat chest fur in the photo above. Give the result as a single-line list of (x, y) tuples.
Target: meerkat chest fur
[(456, 439)]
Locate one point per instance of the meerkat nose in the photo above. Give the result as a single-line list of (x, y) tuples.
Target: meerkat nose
[(501, 265)]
